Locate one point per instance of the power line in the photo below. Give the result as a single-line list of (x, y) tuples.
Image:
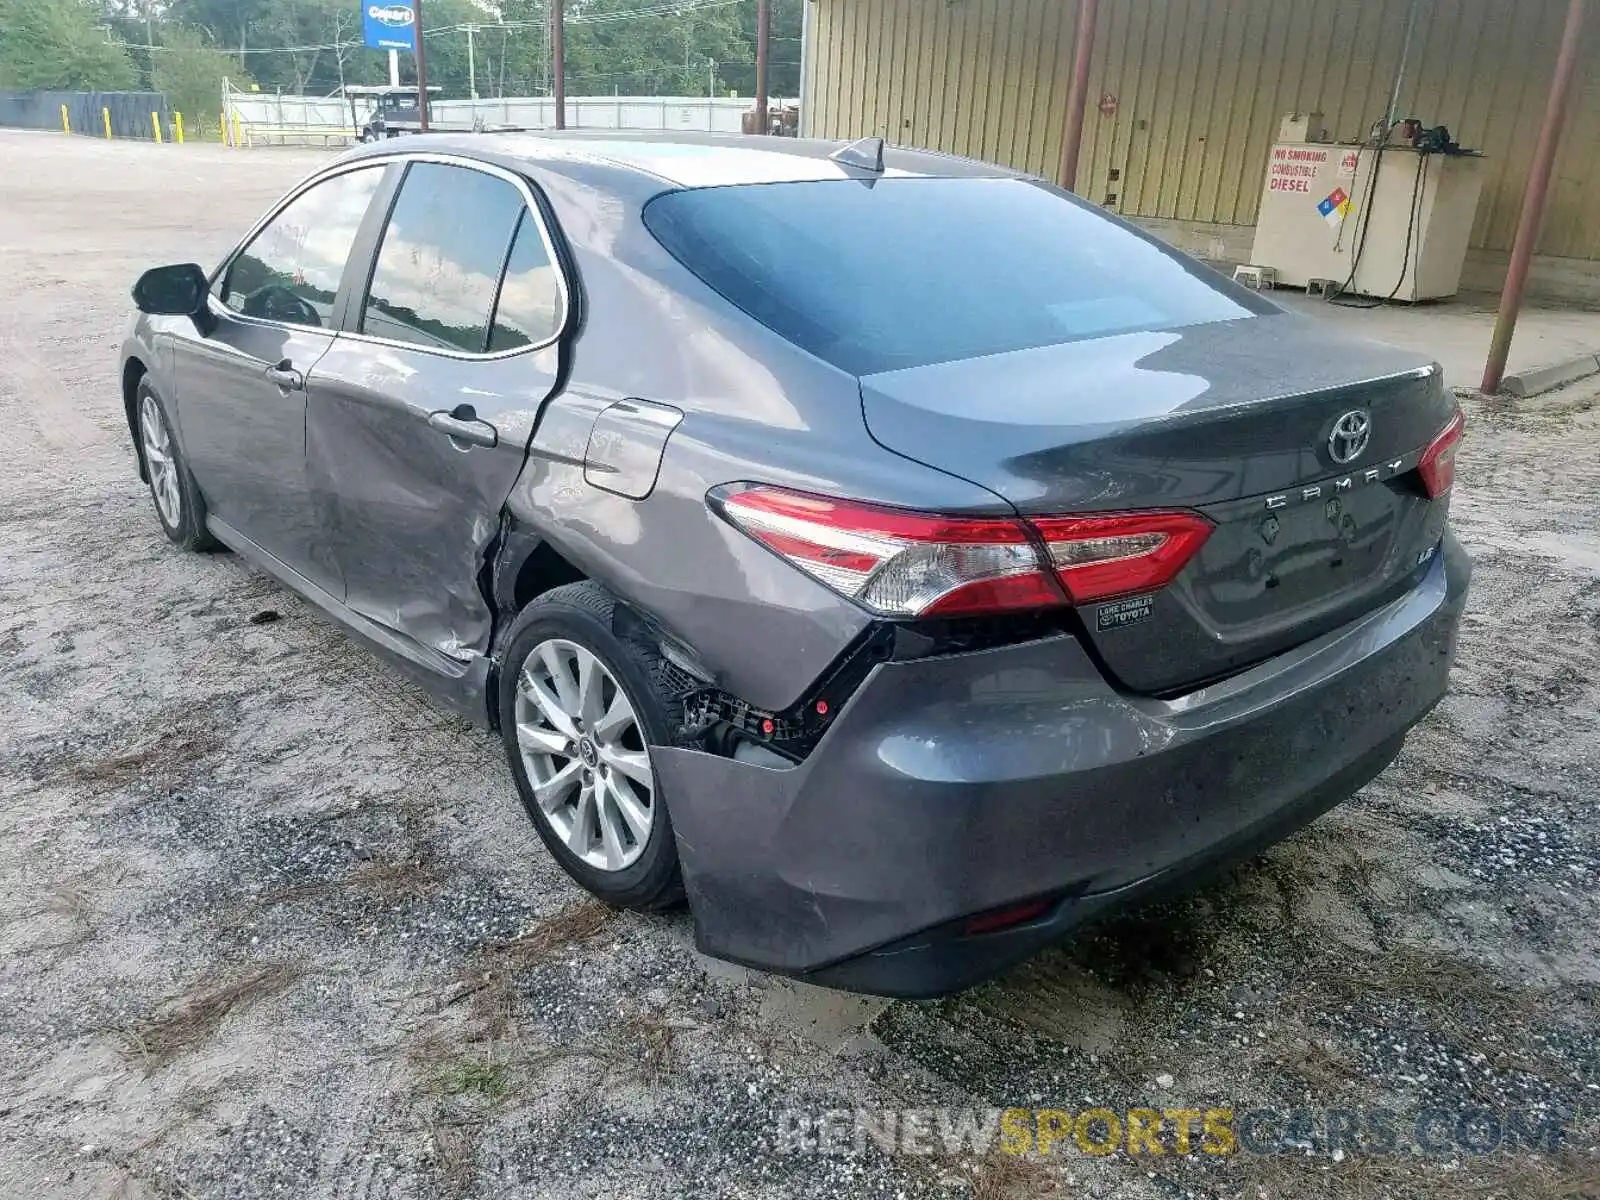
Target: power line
[(672, 70)]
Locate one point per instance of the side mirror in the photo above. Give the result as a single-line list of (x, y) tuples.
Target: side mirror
[(178, 291)]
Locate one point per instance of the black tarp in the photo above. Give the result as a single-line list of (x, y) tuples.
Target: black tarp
[(130, 112)]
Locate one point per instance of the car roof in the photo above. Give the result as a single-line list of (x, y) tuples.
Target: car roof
[(695, 160)]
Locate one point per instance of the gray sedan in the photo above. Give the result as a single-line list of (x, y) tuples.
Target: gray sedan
[(894, 556)]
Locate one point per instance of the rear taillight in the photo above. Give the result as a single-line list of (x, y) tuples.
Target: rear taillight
[(1100, 557), (906, 564), (1438, 464), (897, 563)]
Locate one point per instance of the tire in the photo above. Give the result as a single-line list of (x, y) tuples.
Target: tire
[(593, 792), (177, 501)]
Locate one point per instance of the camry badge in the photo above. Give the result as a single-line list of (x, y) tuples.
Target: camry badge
[(1350, 436)]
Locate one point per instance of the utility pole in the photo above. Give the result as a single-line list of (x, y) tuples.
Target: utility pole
[(558, 52), (422, 70), (394, 68), (150, 40), (763, 39), (711, 77), (472, 63)]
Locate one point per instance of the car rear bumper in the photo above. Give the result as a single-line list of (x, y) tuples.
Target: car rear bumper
[(956, 785)]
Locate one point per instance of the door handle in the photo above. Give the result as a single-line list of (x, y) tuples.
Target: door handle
[(461, 426), (286, 377)]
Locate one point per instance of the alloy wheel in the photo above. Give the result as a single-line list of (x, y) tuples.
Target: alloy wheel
[(159, 461), (585, 756)]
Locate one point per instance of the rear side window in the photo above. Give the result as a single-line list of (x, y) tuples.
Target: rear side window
[(439, 264), (290, 271), (905, 272), (530, 307)]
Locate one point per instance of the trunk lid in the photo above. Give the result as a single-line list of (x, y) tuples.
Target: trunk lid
[(1234, 419)]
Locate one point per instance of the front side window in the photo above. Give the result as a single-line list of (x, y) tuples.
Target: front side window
[(439, 265), (290, 271)]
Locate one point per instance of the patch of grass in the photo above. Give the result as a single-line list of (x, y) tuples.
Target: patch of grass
[(483, 1079), (200, 1012)]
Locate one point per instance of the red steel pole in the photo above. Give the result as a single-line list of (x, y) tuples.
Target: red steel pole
[(1534, 200), (763, 41), (422, 69), (1078, 98), (558, 51)]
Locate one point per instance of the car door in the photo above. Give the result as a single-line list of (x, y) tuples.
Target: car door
[(242, 388), (422, 411)]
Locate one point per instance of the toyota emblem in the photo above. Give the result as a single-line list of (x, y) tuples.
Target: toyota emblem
[(1350, 436)]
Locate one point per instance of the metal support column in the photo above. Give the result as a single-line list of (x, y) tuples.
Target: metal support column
[(1534, 199), (1078, 98)]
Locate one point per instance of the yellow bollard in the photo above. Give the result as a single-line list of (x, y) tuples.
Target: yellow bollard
[(177, 126), (66, 120), (238, 131), (106, 113), (155, 126)]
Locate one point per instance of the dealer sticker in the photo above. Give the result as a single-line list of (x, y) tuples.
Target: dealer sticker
[(1124, 612)]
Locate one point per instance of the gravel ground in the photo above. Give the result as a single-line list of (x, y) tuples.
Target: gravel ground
[(272, 925)]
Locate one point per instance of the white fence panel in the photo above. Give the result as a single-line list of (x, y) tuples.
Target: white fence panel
[(308, 119), (292, 110), (721, 114)]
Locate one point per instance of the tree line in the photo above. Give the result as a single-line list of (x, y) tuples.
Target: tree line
[(186, 48)]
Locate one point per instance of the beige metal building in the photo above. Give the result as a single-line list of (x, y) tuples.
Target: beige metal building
[(1186, 96)]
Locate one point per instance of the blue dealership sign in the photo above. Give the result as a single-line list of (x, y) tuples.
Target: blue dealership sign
[(390, 25)]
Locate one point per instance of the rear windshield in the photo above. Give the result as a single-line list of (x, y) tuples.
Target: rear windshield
[(904, 272)]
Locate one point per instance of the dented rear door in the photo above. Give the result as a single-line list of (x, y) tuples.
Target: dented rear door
[(421, 413)]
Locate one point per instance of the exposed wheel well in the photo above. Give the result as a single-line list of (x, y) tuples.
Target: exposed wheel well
[(542, 571), (132, 372)]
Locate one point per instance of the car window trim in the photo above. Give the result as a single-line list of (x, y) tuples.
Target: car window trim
[(218, 308), (363, 254), (505, 269), (533, 209)]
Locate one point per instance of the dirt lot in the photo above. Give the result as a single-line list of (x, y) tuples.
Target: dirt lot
[(271, 925)]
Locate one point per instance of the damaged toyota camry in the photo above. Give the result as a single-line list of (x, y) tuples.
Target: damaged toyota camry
[(889, 554)]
